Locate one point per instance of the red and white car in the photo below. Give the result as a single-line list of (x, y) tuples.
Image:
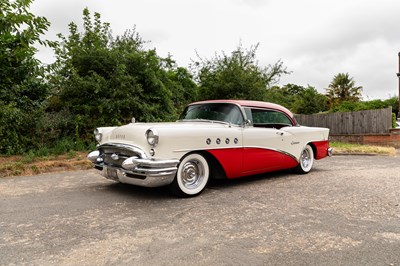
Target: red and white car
[(212, 139)]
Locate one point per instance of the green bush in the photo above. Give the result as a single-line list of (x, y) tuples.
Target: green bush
[(11, 126)]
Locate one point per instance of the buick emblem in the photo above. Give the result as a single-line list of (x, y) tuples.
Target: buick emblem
[(114, 156)]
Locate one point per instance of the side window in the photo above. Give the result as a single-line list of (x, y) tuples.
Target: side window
[(268, 118), (248, 114)]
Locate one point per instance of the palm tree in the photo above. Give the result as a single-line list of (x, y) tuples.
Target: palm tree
[(343, 88)]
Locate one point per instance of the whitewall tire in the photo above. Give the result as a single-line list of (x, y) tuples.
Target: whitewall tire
[(306, 160), (192, 176)]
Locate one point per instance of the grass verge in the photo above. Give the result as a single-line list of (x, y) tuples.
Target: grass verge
[(33, 165), (347, 148)]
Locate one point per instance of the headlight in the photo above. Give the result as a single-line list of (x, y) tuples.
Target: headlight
[(97, 135), (152, 137)]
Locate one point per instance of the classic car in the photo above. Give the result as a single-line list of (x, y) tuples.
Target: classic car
[(212, 139)]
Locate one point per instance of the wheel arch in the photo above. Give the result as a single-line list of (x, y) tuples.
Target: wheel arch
[(314, 148), (216, 169)]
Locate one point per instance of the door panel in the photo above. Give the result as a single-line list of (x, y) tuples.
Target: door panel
[(264, 149)]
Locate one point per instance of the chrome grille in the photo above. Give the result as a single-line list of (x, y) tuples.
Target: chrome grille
[(115, 155)]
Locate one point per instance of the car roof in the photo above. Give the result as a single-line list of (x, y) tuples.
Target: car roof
[(248, 103)]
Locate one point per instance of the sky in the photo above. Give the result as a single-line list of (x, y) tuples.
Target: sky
[(314, 39)]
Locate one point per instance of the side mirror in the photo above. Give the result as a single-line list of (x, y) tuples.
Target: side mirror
[(133, 120)]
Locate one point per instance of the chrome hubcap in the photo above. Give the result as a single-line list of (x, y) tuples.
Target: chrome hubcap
[(305, 158), (192, 174)]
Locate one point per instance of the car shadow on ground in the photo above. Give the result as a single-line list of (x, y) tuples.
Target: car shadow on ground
[(157, 193), (247, 180), (127, 190)]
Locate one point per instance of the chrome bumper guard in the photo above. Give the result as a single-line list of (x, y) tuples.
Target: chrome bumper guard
[(330, 152), (137, 171)]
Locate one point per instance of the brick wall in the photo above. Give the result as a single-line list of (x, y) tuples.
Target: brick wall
[(392, 139)]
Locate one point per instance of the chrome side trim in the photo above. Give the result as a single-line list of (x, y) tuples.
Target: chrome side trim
[(272, 149), (239, 147), (286, 153)]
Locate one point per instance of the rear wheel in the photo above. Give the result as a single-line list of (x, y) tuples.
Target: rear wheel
[(192, 176), (306, 160)]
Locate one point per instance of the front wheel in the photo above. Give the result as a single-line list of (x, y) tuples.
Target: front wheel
[(306, 160), (192, 176)]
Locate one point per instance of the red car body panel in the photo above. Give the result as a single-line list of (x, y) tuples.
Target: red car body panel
[(322, 149), (250, 161)]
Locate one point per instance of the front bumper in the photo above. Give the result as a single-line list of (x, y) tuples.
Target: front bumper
[(134, 170)]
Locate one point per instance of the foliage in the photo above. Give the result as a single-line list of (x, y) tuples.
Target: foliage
[(283, 95), (22, 88), (11, 122), (394, 120), (349, 106), (103, 81), (298, 99), (394, 102), (342, 88), (309, 101), (235, 76)]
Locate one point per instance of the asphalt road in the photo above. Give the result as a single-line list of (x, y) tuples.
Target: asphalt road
[(345, 212)]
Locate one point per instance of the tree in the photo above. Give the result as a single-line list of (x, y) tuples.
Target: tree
[(298, 99), (284, 95), (22, 88), (343, 88), (101, 80), (348, 106), (235, 76), (309, 101)]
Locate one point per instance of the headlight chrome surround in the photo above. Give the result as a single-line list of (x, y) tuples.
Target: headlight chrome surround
[(98, 135), (152, 137)]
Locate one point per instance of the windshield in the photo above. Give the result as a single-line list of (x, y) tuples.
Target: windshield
[(223, 112)]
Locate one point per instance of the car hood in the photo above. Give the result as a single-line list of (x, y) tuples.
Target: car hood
[(134, 133), (171, 125)]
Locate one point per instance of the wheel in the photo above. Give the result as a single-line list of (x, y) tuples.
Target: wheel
[(192, 176), (306, 160)]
